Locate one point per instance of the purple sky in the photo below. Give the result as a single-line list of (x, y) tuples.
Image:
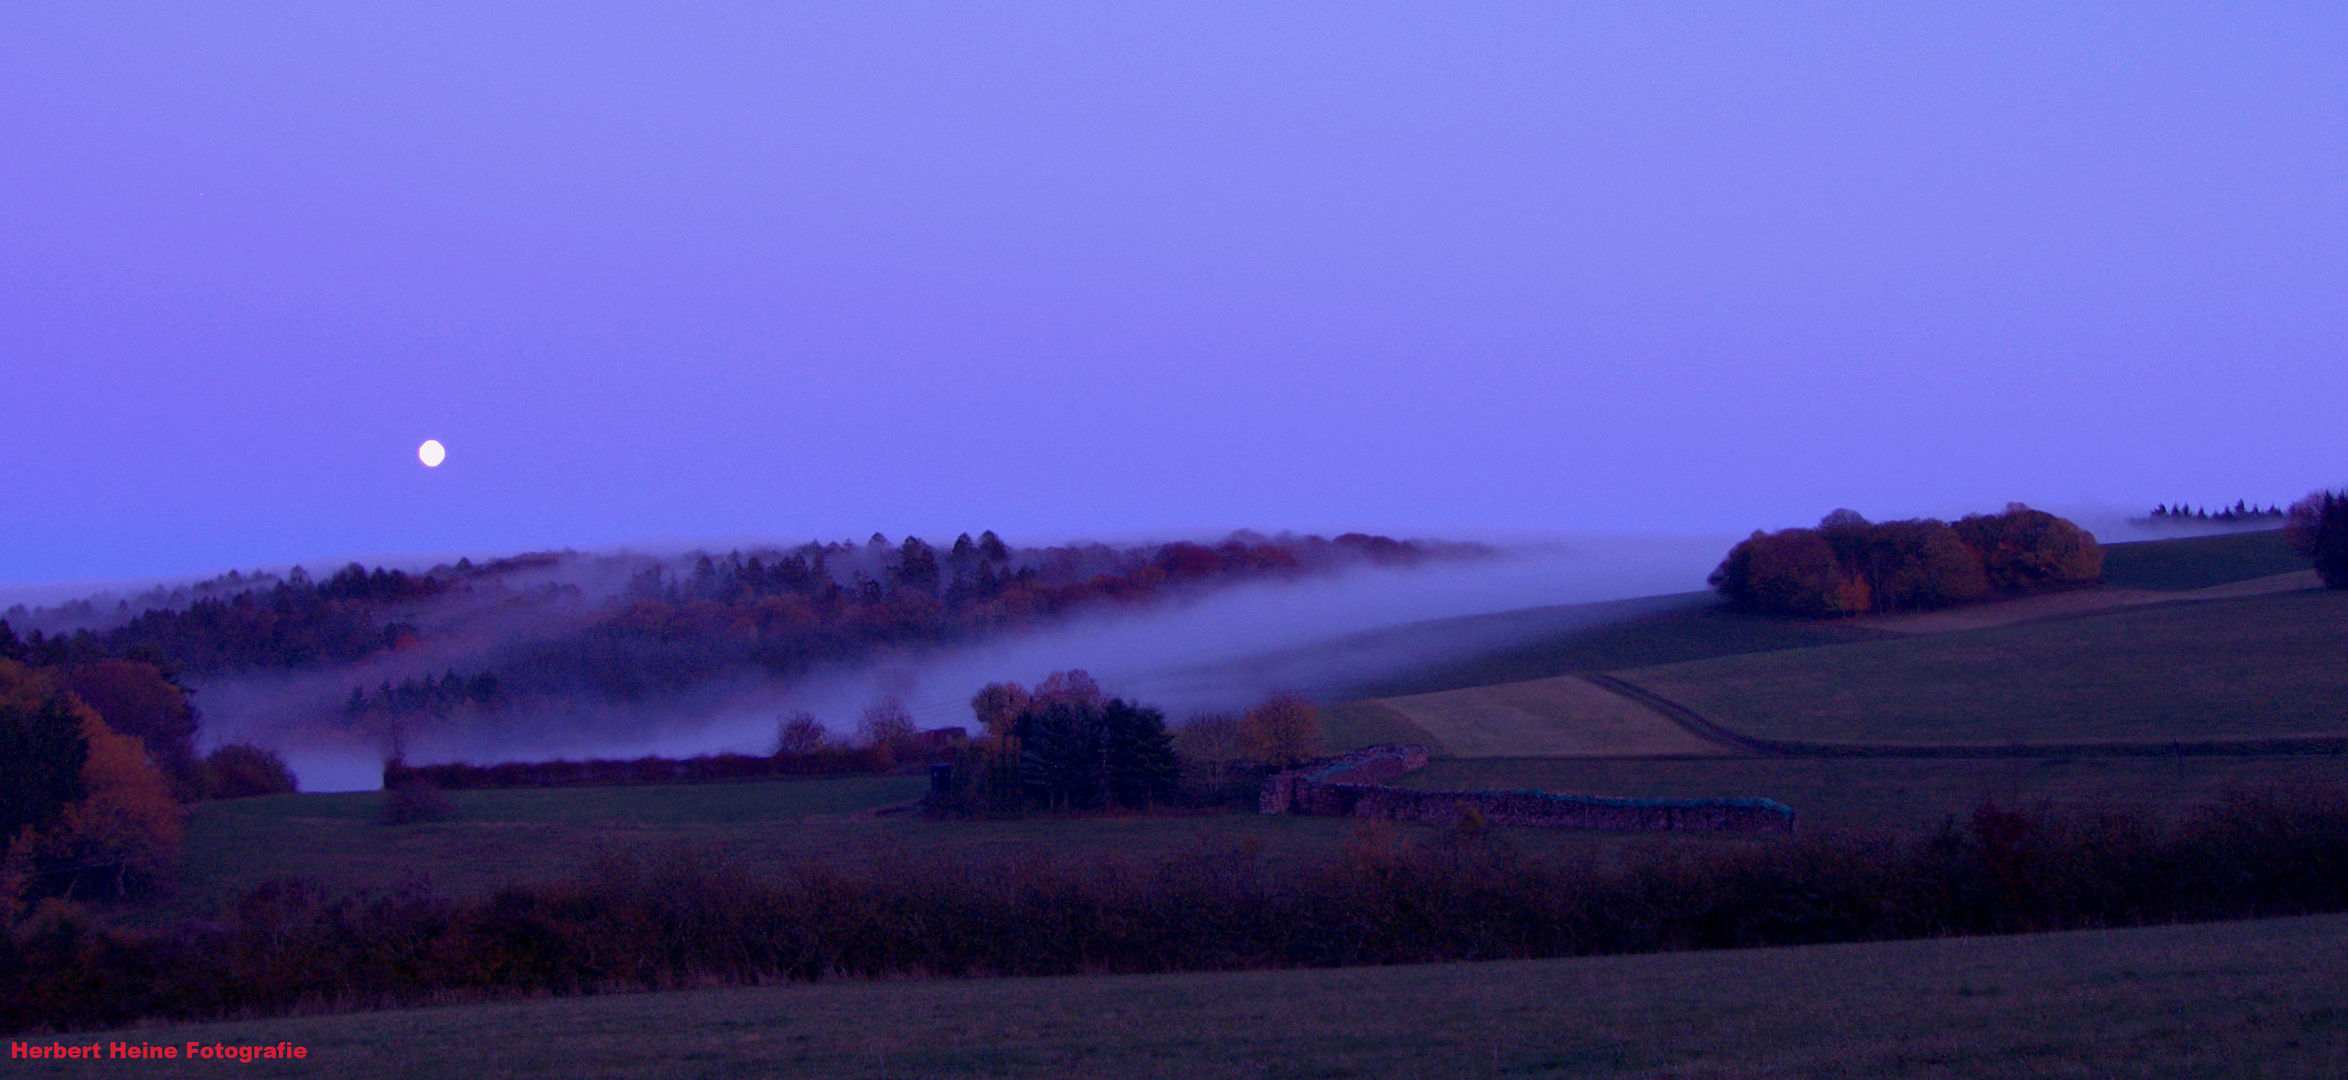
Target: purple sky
[(711, 272)]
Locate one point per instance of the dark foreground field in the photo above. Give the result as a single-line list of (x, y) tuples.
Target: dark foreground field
[(2254, 999)]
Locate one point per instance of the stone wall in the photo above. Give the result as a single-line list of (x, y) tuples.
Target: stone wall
[(1358, 785)]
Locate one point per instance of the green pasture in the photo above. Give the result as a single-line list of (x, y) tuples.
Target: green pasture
[(2256, 666), (2247, 999), (1914, 796), (2199, 562)]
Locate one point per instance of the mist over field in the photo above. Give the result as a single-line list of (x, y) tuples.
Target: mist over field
[(1220, 650)]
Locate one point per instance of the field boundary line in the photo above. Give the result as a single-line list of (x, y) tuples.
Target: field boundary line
[(1689, 719)]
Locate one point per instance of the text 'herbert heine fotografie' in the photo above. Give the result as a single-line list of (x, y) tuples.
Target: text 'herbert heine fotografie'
[(191, 1051)]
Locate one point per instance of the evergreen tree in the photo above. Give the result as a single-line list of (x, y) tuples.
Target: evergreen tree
[(1060, 754), (917, 568), (1140, 761), (42, 752), (991, 547), (2318, 529)]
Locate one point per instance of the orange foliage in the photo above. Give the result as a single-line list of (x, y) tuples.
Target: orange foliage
[(127, 832), (1284, 730)]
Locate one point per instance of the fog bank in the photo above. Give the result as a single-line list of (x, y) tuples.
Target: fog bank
[(1223, 650)]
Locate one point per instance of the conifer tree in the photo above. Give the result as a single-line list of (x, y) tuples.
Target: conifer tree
[(2318, 529)]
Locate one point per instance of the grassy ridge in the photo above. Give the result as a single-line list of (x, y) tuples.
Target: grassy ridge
[(2259, 999), (2257, 666), (2198, 562)]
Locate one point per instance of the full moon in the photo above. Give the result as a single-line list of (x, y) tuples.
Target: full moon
[(432, 453)]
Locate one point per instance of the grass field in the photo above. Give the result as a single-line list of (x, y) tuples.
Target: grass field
[(1544, 717), (1913, 796), (1691, 634), (2198, 562), (2251, 999), (2257, 666), (494, 837), (1355, 724)]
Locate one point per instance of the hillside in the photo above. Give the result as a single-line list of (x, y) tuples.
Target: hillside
[(2253, 667), (2198, 562)]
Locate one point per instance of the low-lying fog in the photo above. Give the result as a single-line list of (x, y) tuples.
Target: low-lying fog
[(1223, 650)]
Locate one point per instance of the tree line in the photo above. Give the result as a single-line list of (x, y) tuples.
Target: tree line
[(693, 918), (674, 626), (785, 612), (2241, 512), (1851, 566)]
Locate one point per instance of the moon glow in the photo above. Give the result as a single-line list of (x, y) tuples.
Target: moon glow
[(432, 453)]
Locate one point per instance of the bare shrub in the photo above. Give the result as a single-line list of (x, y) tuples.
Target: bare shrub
[(886, 725), (799, 732)]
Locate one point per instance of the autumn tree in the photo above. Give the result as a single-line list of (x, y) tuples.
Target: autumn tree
[(2318, 529), (135, 699), (125, 833), (997, 706), (1917, 565), (1209, 745), (1793, 571), (885, 723), (2024, 550), (83, 806), (1283, 731), (799, 732), (1849, 565), (1074, 685)]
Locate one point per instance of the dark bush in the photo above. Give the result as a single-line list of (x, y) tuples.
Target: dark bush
[(240, 770), (414, 800)]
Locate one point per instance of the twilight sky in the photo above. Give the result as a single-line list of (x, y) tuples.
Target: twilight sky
[(723, 272)]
